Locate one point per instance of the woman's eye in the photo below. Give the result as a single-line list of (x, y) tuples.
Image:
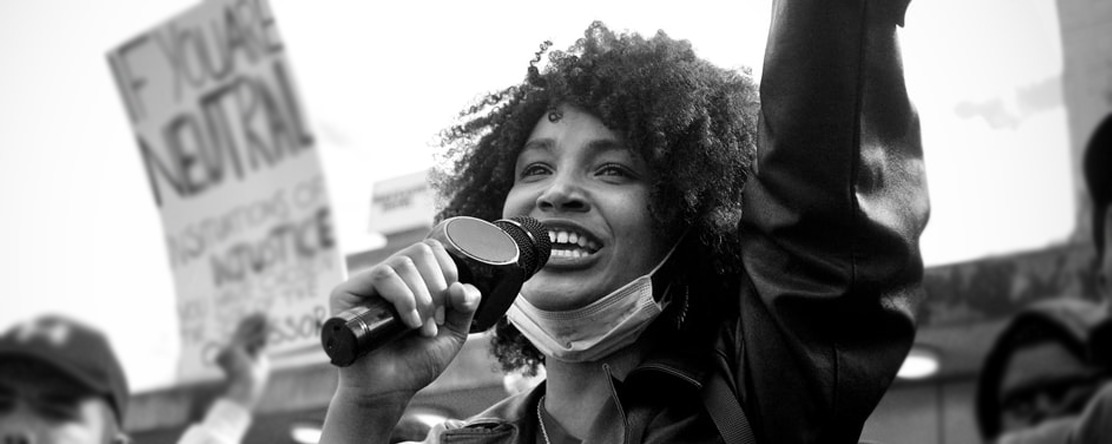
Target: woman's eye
[(534, 170), (614, 169)]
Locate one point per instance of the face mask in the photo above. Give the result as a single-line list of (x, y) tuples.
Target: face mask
[(595, 331)]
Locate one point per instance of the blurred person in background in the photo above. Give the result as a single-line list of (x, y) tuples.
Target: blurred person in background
[(1042, 373), (61, 383), (700, 289), (247, 371), (1048, 377)]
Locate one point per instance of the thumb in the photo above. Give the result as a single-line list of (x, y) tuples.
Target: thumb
[(463, 299)]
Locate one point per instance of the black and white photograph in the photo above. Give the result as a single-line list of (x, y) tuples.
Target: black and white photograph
[(747, 221)]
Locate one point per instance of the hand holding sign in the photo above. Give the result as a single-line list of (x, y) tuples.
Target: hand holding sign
[(244, 362)]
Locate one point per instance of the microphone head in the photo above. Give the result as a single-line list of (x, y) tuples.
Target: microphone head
[(531, 237)]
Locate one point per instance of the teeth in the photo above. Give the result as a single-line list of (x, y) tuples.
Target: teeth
[(569, 253), (572, 238)]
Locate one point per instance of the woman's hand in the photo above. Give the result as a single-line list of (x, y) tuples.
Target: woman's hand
[(421, 282)]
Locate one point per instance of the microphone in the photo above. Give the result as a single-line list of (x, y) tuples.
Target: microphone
[(494, 257)]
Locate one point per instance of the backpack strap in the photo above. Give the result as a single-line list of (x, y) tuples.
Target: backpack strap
[(726, 411)]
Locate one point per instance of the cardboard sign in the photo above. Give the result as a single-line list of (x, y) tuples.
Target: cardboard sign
[(230, 162)]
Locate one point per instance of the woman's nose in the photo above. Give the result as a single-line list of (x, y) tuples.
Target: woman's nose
[(563, 194)]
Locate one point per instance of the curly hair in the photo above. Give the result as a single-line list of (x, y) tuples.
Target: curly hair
[(693, 123)]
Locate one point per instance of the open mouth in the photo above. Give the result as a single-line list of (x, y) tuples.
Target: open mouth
[(570, 243)]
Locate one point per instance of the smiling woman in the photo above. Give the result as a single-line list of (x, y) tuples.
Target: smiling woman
[(628, 141), (676, 307)]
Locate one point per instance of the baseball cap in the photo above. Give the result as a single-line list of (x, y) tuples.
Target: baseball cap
[(76, 350)]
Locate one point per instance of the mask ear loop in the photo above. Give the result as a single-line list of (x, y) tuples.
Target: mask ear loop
[(663, 274), (667, 273)]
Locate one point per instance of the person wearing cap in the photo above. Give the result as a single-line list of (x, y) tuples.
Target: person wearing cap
[(1048, 377), (61, 383), (1043, 371)]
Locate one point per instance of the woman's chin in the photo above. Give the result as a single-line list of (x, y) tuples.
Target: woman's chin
[(557, 294)]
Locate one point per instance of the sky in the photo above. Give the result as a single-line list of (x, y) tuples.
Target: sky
[(81, 234)]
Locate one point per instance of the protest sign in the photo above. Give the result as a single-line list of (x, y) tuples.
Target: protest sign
[(230, 161)]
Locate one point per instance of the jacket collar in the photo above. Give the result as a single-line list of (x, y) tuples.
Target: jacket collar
[(674, 356), (672, 360)]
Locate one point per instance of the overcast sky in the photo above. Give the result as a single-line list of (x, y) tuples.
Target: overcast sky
[(81, 234)]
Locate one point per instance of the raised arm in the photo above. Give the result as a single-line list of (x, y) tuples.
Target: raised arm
[(831, 224), (247, 370)]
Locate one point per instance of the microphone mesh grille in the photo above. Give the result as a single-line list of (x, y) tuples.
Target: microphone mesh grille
[(531, 238)]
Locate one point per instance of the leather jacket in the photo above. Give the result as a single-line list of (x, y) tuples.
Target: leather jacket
[(832, 267)]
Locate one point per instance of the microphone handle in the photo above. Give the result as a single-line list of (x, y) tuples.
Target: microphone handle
[(358, 330)]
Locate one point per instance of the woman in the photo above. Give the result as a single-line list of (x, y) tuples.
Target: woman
[(673, 306)]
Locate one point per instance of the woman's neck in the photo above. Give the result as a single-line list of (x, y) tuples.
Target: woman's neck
[(576, 392)]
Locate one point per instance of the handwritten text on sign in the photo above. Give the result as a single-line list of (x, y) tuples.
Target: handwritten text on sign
[(230, 164)]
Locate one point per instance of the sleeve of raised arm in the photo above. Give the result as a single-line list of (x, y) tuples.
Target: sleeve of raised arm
[(831, 223)]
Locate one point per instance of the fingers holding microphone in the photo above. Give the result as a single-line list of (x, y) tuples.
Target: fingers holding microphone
[(410, 311), (424, 269), (422, 283), (463, 300), (409, 280), (406, 292)]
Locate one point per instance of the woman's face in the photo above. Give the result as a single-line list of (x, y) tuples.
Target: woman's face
[(578, 178)]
